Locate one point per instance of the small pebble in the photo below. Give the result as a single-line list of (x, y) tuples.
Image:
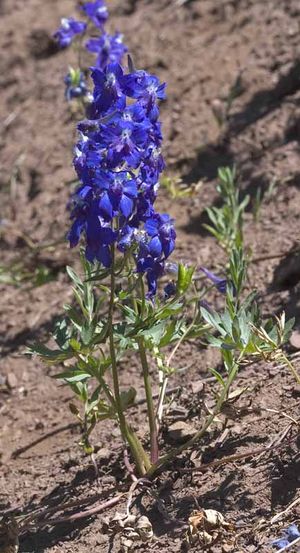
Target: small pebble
[(180, 431), (11, 381)]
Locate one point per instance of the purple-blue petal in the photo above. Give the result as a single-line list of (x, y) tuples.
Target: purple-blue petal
[(155, 247), (105, 205), (126, 205), (282, 542), (292, 532)]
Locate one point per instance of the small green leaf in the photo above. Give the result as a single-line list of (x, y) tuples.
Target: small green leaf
[(87, 333), (218, 376), (72, 375), (169, 332), (75, 345), (214, 342), (288, 329), (213, 319), (128, 398), (170, 309), (184, 278), (74, 277)]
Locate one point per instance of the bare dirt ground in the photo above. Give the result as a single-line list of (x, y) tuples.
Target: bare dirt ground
[(200, 49)]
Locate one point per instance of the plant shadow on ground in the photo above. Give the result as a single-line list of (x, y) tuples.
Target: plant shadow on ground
[(215, 155), (172, 519), (37, 541), (285, 486), (41, 540), (250, 180), (286, 278), (22, 338), (263, 102)]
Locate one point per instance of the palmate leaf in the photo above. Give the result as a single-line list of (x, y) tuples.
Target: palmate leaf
[(171, 333), (154, 334), (128, 312), (93, 367), (88, 333), (62, 333), (75, 278), (169, 310), (100, 334), (49, 356), (212, 318)]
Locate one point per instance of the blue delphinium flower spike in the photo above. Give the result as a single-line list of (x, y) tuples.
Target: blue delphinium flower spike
[(118, 161), (68, 30), (220, 283)]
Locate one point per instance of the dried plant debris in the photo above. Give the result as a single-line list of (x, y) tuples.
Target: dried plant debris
[(131, 528), (208, 526)]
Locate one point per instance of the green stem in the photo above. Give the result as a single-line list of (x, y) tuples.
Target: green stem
[(141, 459), (164, 383), (286, 360), (146, 375), (150, 404), (208, 421)]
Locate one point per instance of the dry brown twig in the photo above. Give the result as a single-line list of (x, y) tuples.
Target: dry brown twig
[(240, 456), (34, 521), (277, 517)]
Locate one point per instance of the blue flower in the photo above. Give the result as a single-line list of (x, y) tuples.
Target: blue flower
[(155, 244), (124, 141), (109, 49), (107, 89), (161, 230), (96, 11), (281, 543), (127, 238), (171, 268), (146, 88), (289, 536), (153, 268), (98, 232), (118, 196), (68, 30), (220, 283), (292, 532)]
